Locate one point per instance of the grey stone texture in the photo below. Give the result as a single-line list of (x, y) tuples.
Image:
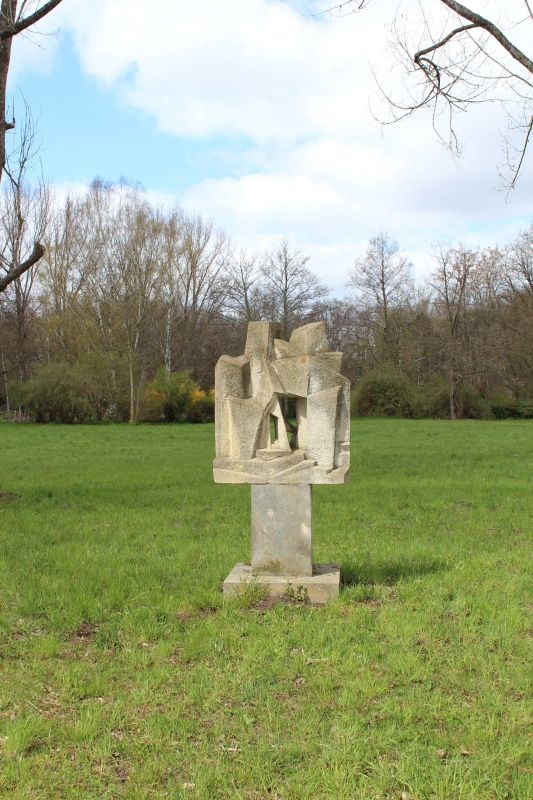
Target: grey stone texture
[(320, 587), (255, 441), (282, 530)]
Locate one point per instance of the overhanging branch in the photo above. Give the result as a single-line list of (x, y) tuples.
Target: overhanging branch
[(417, 56), (38, 252), (490, 27), (22, 24)]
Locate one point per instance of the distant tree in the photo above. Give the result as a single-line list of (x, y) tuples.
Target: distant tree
[(520, 259), (518, 302), (451, 282), (452, 63), (193, 285), (383, 278), (128, 281), (72, 250), (347, 332), (243, 289), (289, 288)]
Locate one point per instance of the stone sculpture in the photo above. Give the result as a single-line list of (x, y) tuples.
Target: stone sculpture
[(282, 422)]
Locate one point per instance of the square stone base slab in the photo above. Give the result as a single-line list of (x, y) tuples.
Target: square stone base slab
[(320, 587)]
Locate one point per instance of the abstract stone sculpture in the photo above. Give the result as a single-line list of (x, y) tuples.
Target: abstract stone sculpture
[(255, 443), (282, 421)]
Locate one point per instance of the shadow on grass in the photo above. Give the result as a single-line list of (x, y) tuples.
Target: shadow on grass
[(387, 573)]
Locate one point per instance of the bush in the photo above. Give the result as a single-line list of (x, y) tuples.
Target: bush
[(503, 406), (474, 406), (167, 397), (57, 393), (202, 406), (384, 394), (432, 400), (175, 397), (526, 409)]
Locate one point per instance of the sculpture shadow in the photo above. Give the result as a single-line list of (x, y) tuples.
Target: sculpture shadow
[(388, 573)]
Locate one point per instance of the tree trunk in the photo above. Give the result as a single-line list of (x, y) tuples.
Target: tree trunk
[(133, 419), (8, 12), (451, 376), (168, 341), (5, 384)]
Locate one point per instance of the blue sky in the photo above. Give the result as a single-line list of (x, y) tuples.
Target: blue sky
[(257, 116), (87, 131)]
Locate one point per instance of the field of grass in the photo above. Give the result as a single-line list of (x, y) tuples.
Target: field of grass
[(124, 675)]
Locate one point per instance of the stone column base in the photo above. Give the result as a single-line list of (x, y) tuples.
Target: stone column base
[(320, 587)]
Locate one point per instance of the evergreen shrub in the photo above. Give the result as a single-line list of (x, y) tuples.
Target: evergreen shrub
[(384, 394)]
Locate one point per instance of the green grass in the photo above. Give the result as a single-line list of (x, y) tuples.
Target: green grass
[(123, 674)]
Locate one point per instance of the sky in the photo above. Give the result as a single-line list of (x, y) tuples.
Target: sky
[(262, 116)]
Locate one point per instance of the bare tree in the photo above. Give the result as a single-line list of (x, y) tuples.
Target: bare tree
[(16, 16), (23, 219), (130, 282), (458, 58), (347, 327), (194, 284), (290, 289), (383, 278), (518, 303), (520, 257), (243, 290), (71, 251), (451, 283)]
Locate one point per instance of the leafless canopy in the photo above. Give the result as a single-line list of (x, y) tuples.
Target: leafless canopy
[(454, 59)]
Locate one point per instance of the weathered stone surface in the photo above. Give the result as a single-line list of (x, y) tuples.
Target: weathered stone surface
[(293, 375), (260, 339), (310, 339), (321, 417), (259, 392), (281, 530), (320, 587)]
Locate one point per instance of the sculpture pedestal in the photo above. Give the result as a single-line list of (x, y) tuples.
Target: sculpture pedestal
[(282, 557), (282, 529), (320, 587)]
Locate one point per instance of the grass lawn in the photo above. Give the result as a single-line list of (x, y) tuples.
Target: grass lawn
[(123, 674)]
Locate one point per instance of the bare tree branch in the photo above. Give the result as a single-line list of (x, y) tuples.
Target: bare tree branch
[(417, 56), (21, 24), (38, 252), (522, 155), (472, 63), (491, 28)]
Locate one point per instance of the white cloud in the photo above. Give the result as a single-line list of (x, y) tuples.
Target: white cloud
[(284, 201), (240, 68)]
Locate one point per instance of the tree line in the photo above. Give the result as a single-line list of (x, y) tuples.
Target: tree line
[(131, 302)]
